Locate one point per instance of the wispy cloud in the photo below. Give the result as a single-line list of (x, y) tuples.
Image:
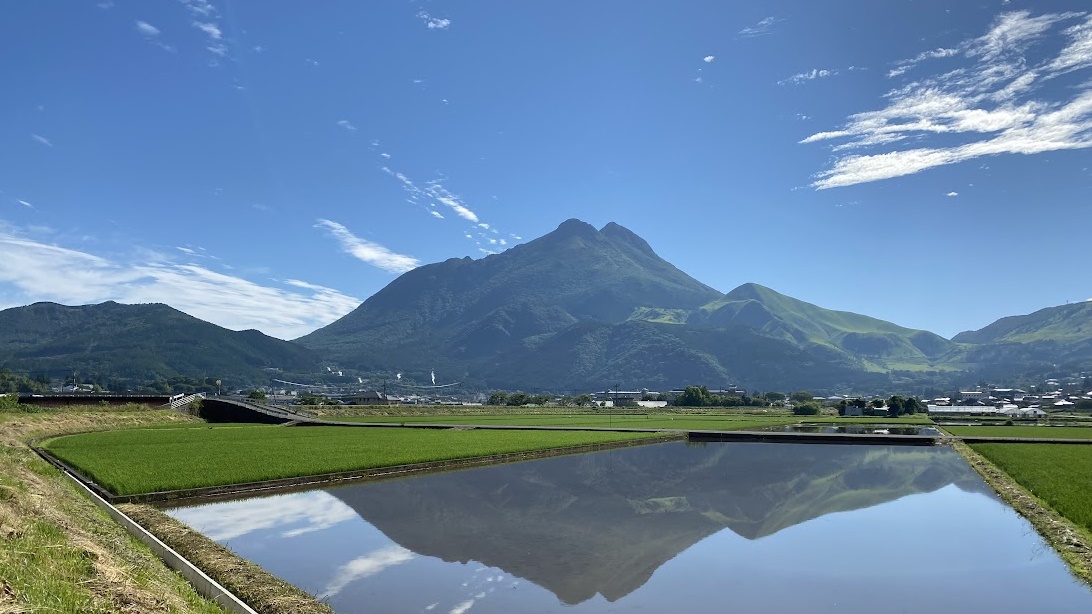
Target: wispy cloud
[(24, 203), (206, 19), (42, 271), (808, 75), (200, 8), (992, 104), (434, 23), (146, 28), (365, 566), (816, 73), (436, 214), (42, 140), (952, 194), (709, 59), (906, 65), (763, 27), (346, 124), (434, 190), (211, 29), (368, 251)]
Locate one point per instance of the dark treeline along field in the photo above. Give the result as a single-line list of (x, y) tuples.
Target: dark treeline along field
[(578, 309)]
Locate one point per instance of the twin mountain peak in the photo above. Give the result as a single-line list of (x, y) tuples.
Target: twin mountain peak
[(581, 309)]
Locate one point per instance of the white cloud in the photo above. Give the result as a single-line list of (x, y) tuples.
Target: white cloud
[(951, 194), (211, 29), (346, 124), (709, 58), (761, 28), (436, 214), (42, 140), (808, 75), (906, 65), (24, 203), (365, 566), (1078, 53), (105, 5), (146, 28), (983, 108), (41, 271), (368, 251), (200, 8), (186, 250), (385, 155), (434, 23)]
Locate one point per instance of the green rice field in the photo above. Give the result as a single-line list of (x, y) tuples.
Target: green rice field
[(1037, 432), (1059, 474), (150, 460)]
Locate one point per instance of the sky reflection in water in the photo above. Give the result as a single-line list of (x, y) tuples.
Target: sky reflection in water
[(722, 526)]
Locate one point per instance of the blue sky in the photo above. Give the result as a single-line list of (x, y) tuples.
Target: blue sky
[(271, 164)]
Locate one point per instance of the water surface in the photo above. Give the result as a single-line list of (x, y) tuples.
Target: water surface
[(856, 429), (712, 527)]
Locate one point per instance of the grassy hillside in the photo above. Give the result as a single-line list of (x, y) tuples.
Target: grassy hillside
[(138, 343)]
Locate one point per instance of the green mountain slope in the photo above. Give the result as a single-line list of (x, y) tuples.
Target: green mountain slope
[(1049, 340), (1064, 324), (583, 308), (139, 343), (472, 311), (783, 317)]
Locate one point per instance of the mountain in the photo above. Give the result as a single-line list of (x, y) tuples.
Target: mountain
[(604, 523), (582, 308), (139, 343), (1045, 341), (468, 316)]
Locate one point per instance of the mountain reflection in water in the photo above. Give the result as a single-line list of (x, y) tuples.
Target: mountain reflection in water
[(603, 523)]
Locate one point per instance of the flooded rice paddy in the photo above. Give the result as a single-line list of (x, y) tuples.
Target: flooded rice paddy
[(712, 527)]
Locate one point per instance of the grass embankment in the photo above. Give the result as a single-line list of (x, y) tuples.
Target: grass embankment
[(1031, 432), (152, 460), (58, 551), (1050, 485)]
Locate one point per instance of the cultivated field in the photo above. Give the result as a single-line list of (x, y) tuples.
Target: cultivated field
[(1058, 474), (1036, 432), (150, 460)]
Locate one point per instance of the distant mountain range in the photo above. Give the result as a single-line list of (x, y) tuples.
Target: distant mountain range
[(576, 309), (139, 343)]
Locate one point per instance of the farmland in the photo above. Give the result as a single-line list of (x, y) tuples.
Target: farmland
[(151, 460)]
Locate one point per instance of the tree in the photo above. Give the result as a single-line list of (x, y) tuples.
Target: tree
[(694, 396), (807, 408), (498, 398), (518, 399), (256, 395), (540, 399), (801, 396), (583, 400), (774, 397), (895, 406), (877, 403)]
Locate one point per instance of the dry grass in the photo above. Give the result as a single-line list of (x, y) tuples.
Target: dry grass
[(257, 587), (58, 551)]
